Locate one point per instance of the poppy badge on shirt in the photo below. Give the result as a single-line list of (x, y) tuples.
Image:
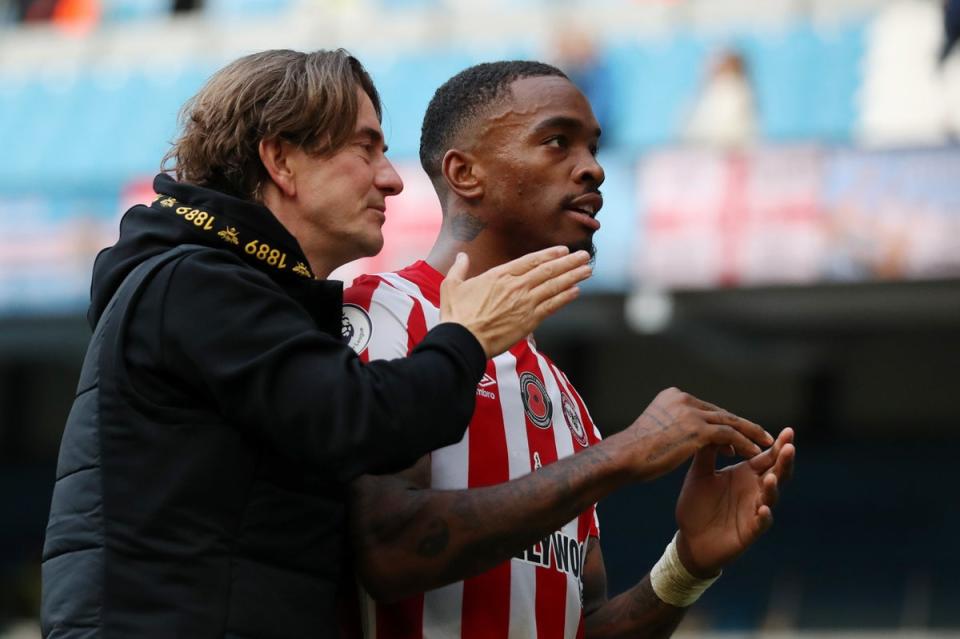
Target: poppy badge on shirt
[(536, 402)]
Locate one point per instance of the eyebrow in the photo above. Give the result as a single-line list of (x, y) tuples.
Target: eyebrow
[(562, 122), (373, 135)]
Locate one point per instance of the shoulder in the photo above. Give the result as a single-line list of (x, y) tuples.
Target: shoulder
[(381, 297), (215, 271), (368, 291), (381, 318), (203, 259), (215, 287)]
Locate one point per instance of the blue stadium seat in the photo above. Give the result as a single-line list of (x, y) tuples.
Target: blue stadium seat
[(245, 9), (406, 84), (654, 82), (134, 10), (806, 81)]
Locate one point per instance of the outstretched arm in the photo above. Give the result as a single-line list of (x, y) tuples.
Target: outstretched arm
[(409, 538)]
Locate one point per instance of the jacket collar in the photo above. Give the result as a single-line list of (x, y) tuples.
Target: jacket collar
[(251, 231), (245, 228)]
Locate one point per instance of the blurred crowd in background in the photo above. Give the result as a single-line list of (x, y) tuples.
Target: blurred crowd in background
[(781, 234)]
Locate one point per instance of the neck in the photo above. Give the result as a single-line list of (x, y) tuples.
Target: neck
[(483, 250), (321, 268), (310, 243)]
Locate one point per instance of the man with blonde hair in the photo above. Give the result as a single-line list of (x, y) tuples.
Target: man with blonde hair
[(219, 415)]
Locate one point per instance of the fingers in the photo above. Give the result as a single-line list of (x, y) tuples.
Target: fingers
[(783, 469), (560, 283), (764, 520), (770, 487), (769, 490), (522, 265), (753, 431), (458, 271), (785, 437), (768, 498), (549, 271), (784, 452), (705, 461), (765, 461), (724, 435), (717, 415), (704, 405), (555, 303)]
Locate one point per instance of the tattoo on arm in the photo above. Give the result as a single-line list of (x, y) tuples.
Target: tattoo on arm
[(662, 419), (410, 539), (466, 227), (435, 539), (661, 424), (637, 612)]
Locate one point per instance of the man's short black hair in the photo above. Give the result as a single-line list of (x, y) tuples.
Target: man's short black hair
[(463, 97)]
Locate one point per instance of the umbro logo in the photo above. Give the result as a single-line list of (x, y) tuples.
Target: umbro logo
[(485, 382)]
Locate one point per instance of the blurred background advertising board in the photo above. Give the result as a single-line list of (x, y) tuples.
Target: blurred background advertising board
[(892, 214), (47, 245), (726, 218), (782, 215)]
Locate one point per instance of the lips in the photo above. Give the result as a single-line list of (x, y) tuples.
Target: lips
[(588, 204), (584, 209)]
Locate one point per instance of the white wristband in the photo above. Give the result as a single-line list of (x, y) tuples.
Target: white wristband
[(672, 583)]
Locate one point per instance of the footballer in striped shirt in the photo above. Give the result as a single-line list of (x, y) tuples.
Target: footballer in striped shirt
[(497, 536)]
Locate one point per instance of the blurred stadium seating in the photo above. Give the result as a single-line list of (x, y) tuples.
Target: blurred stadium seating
[(812, 273)]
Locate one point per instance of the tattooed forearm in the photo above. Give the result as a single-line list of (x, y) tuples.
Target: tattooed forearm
[(466, 227), (383, 509), (526, 511), (435, 540), (665, 449), (413, 539), (662, 424), (637, 612)]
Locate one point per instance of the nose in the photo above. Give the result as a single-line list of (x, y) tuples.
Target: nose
[(588, 171), (387, 180)]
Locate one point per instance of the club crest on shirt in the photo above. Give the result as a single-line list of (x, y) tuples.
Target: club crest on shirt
[(536, 402), (356, 327), (572, 417)]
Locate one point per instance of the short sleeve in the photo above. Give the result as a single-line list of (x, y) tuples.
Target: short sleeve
[(376, 319)]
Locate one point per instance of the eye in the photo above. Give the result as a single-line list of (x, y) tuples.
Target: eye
[(558, 141), (594, 149), (365, 150)]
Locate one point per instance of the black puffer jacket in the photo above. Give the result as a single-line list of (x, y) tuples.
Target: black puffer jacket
[(200, 485)]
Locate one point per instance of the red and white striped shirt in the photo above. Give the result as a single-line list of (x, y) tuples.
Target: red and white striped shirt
[(527, 415)]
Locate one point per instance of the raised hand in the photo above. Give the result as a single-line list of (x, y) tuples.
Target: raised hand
[(504, 304), (676, 425), (721, 512)]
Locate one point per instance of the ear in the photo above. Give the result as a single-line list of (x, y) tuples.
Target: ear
[(275, 155), (462, 174)]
